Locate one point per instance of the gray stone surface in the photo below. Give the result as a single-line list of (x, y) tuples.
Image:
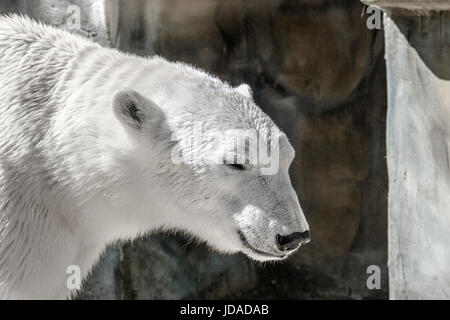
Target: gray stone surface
[(319, 73), (58, 12), (418, 6), (418, 141)]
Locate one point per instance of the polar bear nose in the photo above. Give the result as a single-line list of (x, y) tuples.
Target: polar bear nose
[(292, 241)]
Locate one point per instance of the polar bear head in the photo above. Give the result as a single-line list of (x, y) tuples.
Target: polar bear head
[(215, 164)]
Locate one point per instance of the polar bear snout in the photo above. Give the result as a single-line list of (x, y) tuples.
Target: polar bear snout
[(258, 248), (271, 234), (292, 241)]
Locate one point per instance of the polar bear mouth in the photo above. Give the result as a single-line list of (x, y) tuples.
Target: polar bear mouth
[(254, 250)]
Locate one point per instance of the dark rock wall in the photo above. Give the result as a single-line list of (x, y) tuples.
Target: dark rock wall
[(319, 73)]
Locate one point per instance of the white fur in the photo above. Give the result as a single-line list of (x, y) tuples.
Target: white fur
[(76, 175)]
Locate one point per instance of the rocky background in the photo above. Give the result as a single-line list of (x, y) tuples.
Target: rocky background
[(418, 157), (319, 72)]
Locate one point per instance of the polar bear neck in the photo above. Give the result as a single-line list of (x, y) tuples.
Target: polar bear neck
[(59, 159)]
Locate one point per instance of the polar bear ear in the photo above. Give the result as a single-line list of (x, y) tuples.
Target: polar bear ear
[(245, 90), (135, 111)]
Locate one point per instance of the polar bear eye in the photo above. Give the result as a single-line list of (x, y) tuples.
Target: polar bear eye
[(237, 166)]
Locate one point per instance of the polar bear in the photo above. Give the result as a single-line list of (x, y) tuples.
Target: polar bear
[(86, 158)]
